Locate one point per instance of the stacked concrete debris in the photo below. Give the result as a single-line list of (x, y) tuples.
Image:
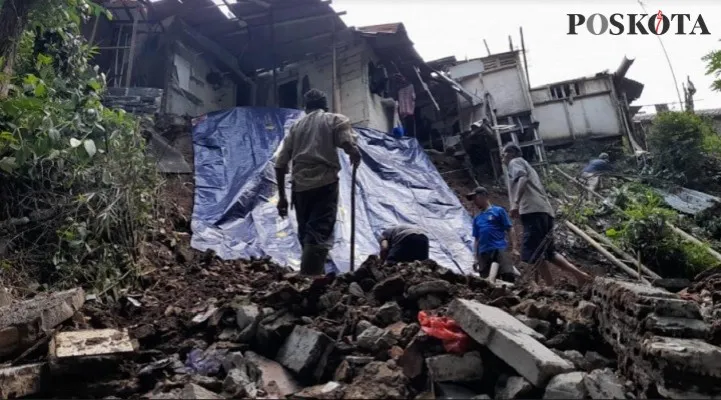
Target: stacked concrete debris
[(659, 338), (355, 336), (134, 100)]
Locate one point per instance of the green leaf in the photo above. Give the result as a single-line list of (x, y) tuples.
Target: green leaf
[(90, 147), (8, 164), (75, 142)]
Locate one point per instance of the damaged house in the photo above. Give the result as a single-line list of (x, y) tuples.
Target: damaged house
[(191, 58)]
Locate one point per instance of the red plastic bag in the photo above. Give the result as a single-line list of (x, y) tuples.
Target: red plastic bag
[(453, 338)]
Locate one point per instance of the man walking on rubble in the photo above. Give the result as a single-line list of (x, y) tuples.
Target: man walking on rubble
[(403, 243), (490, 227), (530, 203), (593, 171), (311, 146)]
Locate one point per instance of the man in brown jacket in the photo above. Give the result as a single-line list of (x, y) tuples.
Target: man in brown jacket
[(311, 145)]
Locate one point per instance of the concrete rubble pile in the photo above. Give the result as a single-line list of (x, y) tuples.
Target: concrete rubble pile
[(660, 338), (358, 335)]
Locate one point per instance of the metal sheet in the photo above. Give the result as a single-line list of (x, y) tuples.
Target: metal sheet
[(688, 201)]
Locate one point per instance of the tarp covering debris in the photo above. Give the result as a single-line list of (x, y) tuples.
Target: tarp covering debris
[(235, 193), (688, 201)]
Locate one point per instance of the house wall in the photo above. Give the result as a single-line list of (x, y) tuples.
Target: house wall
[(356, 102), (189, 93), (592, 113)]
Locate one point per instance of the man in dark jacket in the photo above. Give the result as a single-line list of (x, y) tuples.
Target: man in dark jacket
[(593, 171), (404, 243), (311, 146)]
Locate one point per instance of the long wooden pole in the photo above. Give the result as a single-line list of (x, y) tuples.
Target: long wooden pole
[(680, 232), (605, 252), (352, 219), (603, 239)]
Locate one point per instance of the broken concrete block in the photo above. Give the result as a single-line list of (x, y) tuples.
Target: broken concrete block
[(389, 288), (509, 339), (356, 290), (587, 309), (516, 387), (566, 386), (432, 287), (389, 313), (305, 352), (277, 382), (20, 323), (22, 381), (361, 326), (196, 392), (239, 384), (538, 325), (688, 355), (374, 338), (344, 372), (456, 368), (604, 384), (95, 342), (246, 315), (378, 380), (429, 302), (593, 360), (677, 327)]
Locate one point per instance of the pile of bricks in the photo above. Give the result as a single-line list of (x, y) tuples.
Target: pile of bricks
[(659, 339)]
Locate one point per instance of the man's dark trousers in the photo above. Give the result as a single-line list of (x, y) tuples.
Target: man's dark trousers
[(316, 212)]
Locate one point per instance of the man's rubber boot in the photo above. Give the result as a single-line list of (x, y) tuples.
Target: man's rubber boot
[(312, 261)]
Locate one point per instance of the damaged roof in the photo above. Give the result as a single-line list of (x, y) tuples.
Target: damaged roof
[(247, 29)]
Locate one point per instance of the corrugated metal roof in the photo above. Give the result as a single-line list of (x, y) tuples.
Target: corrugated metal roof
[(710, 112), (688, 201)]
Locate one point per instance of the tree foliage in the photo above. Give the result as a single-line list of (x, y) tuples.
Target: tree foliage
[(677, 143), (76, 187), (713, 68)]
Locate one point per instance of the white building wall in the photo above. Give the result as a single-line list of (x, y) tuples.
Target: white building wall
[(593, 114), (356, 101), (189, 92)]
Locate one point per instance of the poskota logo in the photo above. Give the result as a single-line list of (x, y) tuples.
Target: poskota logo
[(639, 24)]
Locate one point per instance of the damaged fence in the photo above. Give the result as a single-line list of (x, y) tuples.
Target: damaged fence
[(235, 201)]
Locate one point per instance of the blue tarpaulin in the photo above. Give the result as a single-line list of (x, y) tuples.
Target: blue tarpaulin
[(235, 211)]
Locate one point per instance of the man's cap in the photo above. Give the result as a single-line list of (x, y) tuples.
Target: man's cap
[(314, 95), (603, 156), (512, 148), (480, 190)]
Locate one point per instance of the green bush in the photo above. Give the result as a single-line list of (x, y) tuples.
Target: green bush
[(677, 145), (74, 169)]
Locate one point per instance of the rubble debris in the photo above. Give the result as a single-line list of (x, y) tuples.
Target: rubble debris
[(22, 381), (305, 352), (246, 315), (205, 362), (603, 384), (378, 380), (196, 392), (330, 391), (453, 391), (510, 340), (657, 364), (21, 323), (566, 386), (98, 342), (515, 387), (455, 368), (388, 313), (374, 339), (389, 288), (538, 325)]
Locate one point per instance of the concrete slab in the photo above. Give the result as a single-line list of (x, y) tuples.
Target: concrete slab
[(21, 322), (689, 355), (509, 339), (305, 352), (96, 342), (22, 381), (456, 368)]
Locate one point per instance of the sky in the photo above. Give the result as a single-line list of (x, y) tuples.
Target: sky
[(441, 28)]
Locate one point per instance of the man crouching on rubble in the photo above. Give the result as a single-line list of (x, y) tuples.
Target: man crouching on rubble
[(311, 146), (403, 243), (489, 230), (529, 201)]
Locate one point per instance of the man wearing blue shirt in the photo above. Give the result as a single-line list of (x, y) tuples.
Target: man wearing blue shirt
[(489, 230), (594, 169)]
